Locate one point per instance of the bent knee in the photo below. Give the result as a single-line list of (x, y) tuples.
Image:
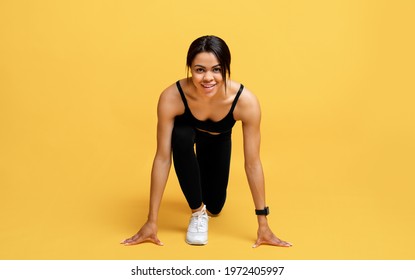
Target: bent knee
[(213, 212)]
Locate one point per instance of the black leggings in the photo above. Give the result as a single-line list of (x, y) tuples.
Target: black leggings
[(203, 172)]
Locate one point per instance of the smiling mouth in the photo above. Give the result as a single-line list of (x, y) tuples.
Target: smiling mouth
[(208, 86)]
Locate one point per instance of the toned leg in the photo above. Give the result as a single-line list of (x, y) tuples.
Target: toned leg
[(214, 155), (186, 164)]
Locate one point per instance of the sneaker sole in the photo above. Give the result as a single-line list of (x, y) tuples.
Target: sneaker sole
[(198, 243)]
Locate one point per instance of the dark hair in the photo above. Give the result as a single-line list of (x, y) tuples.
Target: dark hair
[(211, 44)]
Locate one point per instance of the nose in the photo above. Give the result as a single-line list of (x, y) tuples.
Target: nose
[(208, 76)]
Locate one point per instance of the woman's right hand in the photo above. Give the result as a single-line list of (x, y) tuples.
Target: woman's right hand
[(148, 232)]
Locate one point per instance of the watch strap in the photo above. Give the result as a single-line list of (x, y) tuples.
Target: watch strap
[(263, 212)]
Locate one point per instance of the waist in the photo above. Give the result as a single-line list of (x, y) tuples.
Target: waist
[(215, 128), (202, 135)]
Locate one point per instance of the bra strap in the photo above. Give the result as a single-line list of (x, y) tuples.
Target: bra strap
[(179, 87), (241, 88)]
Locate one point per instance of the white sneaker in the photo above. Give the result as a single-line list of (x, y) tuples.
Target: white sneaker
[(197, 232)]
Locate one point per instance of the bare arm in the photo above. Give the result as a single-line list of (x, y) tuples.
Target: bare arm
[(250, 115), (253, 165), (166, 111), (162, 159)]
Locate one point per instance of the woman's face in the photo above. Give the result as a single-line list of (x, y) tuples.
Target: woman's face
[(206, 74)]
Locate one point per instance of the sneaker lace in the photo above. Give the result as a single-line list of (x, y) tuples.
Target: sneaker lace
[(198, 221)]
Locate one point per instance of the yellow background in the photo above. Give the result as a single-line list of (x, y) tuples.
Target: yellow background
[(79, 83)]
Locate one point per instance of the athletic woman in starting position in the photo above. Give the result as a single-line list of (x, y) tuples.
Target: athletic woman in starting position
[(195, 120)]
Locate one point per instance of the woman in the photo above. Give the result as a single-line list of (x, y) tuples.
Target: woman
[(200, 111)]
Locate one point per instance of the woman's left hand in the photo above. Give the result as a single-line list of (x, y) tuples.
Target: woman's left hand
[(266, 237)]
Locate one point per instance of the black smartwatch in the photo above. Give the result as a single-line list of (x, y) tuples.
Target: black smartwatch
[(263, 212)]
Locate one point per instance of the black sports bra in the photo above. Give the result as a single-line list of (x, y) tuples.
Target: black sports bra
[(222, 126)]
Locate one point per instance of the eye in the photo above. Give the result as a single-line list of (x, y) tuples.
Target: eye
[(199, 70), (217, 70)]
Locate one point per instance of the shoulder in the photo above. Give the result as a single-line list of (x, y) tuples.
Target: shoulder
[(170, 93), (248, 105), (170, 101), (247, 97)]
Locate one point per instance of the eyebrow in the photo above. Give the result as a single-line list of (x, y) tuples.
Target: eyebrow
[(198, 65)]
